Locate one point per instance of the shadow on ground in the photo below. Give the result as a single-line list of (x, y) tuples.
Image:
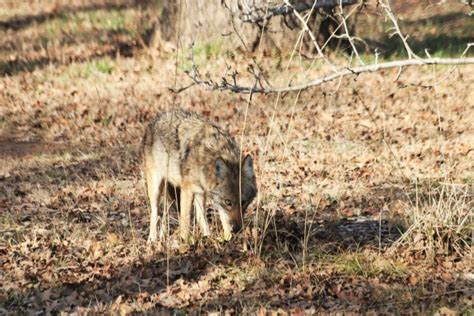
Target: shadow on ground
[(12, 148), (139, 282), (26, 64), (339, 294), (435, 45), (17, 23), (156, 285), (85, 163), (103, 42), (440, 42)]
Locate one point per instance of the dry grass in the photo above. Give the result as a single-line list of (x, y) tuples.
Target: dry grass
[(343, 172), (439, 220)]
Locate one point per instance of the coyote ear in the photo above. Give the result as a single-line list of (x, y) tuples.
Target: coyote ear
[(247, 167), (221, 168)]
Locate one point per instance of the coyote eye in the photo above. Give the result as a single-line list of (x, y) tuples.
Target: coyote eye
[(227, 202)]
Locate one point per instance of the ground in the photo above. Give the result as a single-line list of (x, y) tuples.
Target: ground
[(365, 186)]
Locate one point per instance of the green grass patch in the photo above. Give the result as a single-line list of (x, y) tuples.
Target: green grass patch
[(114, 21), (201, 54), (368, 265), (104, 66), (90, 68), (93, 68), (435, 45)]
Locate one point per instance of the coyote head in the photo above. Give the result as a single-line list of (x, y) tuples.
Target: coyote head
[(235, 189)]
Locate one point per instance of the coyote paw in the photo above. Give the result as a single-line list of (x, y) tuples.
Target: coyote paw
[(184, 235), (227, 236), (151, 238)]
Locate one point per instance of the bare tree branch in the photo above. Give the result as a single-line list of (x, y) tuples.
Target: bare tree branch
[(347, 71), (253, 17), (231, 80)]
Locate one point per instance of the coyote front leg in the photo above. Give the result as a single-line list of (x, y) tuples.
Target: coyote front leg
[(225, 223), (199, 207), (185, 211)]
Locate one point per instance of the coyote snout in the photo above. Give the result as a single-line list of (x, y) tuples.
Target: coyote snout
[(188, 153)]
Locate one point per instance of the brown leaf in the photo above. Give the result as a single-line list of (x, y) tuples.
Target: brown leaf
[(412, 279)]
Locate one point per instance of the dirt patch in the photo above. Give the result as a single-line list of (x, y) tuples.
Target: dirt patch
[(16, 148)]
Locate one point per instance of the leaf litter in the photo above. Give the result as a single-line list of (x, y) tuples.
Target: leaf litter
[(333, 188)]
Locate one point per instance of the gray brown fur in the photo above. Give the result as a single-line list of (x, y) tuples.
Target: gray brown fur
[(204, 163)]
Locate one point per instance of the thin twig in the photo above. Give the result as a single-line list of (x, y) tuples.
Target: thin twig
[(311, 34), (348, 35), (388, 11), (181, 89)]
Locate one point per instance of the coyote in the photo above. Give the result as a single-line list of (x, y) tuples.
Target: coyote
[(200, 161)]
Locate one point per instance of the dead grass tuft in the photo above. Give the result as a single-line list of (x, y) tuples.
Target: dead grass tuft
[(439, 219)]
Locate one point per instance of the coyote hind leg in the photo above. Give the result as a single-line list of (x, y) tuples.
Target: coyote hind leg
[(170, 203)]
